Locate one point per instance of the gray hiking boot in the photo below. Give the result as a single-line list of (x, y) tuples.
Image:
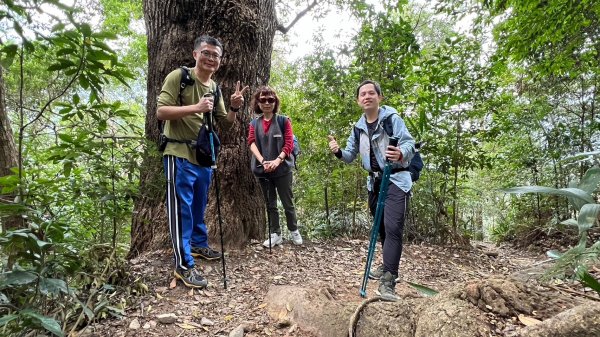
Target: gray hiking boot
[(376, 273), (191, 278), (387, 283)]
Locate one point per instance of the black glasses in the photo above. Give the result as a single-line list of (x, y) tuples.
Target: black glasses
[(264, 100), (210, 55)]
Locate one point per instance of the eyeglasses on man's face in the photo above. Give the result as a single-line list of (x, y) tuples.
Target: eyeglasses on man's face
[(209, 55), (264, 100)]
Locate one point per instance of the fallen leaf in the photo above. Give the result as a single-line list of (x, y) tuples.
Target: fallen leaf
[(173, 283), (262, 305), (278, 277), (186, 326), (288, 306), (283, 314), (527, 321), (228, 318)]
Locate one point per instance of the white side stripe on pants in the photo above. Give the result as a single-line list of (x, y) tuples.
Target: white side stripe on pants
[(173, 213)]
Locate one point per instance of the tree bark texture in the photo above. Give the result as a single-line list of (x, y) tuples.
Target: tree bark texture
[(8, 152), (246, 28), (460, 312)]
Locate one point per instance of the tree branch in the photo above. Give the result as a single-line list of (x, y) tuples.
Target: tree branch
[(284, 30)]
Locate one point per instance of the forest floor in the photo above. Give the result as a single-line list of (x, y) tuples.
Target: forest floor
[(333, 265)]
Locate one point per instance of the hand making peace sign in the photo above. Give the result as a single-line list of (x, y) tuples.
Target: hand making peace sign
[(237, 98)]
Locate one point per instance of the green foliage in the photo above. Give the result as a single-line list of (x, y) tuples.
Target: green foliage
[(558, 37), (579, 257), (428, 292), (75, 184)]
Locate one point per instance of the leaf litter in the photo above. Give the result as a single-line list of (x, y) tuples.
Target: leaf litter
[(335, 265)]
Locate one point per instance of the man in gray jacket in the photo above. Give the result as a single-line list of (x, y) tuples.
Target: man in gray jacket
[(372, 143)]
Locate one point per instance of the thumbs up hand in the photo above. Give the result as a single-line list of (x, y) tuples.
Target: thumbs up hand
[(333, 145)]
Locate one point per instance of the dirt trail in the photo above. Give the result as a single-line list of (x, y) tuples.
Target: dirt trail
[(334, 266)]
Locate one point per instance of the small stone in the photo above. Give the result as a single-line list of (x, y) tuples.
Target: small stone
[(135, 324), (206, 321), (146, 326), (237, 332), (167, 318)]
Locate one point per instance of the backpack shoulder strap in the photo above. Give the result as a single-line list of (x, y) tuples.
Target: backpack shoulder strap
[(388, 126), (356, 132), (186, 79), (217, 93)]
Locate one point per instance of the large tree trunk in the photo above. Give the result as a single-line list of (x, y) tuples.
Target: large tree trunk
[(246, 28), (8, 151)]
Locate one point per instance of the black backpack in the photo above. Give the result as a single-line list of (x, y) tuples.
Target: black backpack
[(202, 144), (416, 163)]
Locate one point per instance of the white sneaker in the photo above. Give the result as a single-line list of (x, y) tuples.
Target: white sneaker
[(296, 237), (276, 239)]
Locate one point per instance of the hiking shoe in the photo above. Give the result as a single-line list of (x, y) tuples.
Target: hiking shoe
[(206, 253), (387, 283), (276, 239), (296, 237), (376, 273), (191, 278)]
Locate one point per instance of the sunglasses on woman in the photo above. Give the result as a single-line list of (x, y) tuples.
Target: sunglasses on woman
[(264, 100)]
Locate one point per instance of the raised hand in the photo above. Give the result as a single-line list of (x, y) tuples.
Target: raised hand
[(333, 145), (237, 98)]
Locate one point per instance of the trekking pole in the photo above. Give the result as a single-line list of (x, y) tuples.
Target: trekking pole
[(214, 167), (378, 215), (266, 195)]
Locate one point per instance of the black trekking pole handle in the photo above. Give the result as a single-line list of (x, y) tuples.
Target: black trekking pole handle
[(211, 131)]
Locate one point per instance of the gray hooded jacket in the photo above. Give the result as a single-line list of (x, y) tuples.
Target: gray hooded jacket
[(379, 143)]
